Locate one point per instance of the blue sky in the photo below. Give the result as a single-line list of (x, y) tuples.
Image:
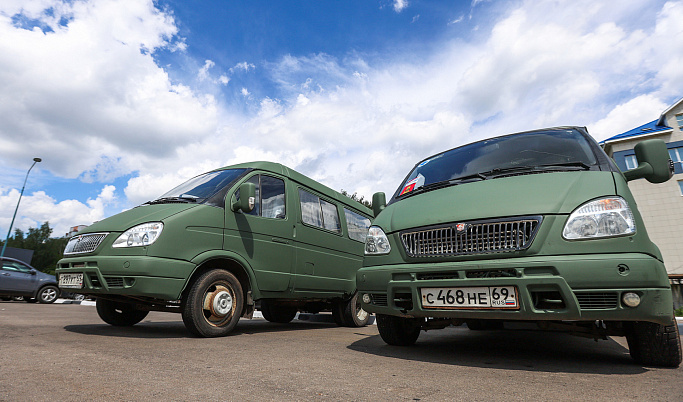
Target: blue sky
[(124, 99)]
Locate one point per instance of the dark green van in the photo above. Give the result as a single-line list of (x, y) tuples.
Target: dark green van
[(538, 226), (219, 246)]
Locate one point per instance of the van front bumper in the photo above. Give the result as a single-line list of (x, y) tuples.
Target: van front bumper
[(138, 276), (563, 288)]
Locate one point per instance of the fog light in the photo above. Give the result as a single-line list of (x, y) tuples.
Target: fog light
[(631, 299), (366, 298)]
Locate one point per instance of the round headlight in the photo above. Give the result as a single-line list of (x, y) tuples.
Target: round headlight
[(631, 299)]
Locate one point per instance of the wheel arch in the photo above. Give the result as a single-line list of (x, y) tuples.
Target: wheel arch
[(228, 261)]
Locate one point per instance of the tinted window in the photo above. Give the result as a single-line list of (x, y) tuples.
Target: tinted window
[(15, 266), (319, 213), (204, 186), (357, 224)]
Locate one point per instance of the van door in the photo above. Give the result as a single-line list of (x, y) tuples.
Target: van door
[(264, 235), (323, 262)]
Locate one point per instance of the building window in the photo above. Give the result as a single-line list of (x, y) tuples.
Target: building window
[(679, 119), (676, 154), (631, 162)]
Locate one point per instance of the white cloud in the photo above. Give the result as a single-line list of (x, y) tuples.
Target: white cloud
[(204, 71), (626, 116), (243, 66), (400, 5), (39, 207), (89, 92)]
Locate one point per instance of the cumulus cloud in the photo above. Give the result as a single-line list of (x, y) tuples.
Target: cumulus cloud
[(39, 207), (400, 5), (89, 92)]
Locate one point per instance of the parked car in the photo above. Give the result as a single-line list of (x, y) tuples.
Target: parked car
[(18, 279), (219, 246), (538, 226)]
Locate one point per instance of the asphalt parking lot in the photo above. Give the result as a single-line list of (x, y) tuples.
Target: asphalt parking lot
[(65, 352)]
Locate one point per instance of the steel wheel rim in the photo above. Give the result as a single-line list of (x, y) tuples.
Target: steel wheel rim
[(219, 304)]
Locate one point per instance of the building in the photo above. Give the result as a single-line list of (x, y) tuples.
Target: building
[(661, 205)]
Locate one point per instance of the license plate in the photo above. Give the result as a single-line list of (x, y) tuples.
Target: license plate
[(71, 281), (489, 297)]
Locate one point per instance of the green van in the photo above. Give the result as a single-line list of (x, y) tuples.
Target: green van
[(538, 226), (249, 236)]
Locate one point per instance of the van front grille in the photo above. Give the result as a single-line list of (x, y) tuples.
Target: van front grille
[(84, 243), (114, 281), (597, 301), (490, 236)]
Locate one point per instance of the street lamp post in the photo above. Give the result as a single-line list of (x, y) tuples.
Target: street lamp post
[(35, 160)]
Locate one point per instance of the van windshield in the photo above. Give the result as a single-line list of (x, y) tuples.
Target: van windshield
[(206, 188), (525, 153)]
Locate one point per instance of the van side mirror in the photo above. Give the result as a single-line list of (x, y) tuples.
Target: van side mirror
[(247, 199), (379, 201), (653, 162)]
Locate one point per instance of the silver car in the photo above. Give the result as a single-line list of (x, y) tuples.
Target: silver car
[(18, 279)]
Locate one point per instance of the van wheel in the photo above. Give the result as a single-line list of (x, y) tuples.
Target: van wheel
[(48, 294), (213, 304), (652, 344), (278, 313), (119, 314), (349, 313), (398, 331)]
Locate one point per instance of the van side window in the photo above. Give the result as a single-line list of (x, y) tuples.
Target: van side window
[(270, 197), (357, 224), (319, 213)]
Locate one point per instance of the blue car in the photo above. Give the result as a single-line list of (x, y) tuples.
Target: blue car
[(18, 279)]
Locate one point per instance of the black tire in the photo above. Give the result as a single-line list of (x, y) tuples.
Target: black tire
[(119, 314), (652, 344), (277, 313), (398, 331), (484, 325), (338, 313), (221, 293), (48, 294), (353, 314)]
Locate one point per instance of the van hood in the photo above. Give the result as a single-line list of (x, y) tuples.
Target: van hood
[(534, 194), (141, 214)]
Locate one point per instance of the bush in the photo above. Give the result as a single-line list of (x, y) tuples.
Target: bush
[(678, 312)]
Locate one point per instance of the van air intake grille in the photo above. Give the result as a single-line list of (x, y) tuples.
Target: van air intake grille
[(490, 236)]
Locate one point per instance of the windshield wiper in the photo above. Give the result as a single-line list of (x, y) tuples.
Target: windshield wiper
[(550, 167), (170, 200)]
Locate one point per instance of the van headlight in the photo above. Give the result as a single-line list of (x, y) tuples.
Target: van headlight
[(140, 235), (376, 242), (606, 217)]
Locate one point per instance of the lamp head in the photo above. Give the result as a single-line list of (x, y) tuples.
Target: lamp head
[(37, 160)]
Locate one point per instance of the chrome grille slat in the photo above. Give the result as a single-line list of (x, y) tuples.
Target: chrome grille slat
[(84, 243), (478, 237)]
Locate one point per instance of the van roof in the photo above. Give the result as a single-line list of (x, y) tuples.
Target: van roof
[(303, 180)]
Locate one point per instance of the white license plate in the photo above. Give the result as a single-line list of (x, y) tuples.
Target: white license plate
[(490, 297), (71, 281)]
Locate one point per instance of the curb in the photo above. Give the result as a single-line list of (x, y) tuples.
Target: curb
[(69, 301)]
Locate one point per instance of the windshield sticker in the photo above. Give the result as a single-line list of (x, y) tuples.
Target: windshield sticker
[(417, 182)]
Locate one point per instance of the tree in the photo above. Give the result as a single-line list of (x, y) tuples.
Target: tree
[(46, 250), (360, 199)]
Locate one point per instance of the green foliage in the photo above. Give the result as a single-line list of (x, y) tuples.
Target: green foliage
[(46, 250), (360, 199), (678, 312)]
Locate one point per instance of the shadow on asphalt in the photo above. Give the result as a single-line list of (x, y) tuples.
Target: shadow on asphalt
[(525, 350), (176, 329)]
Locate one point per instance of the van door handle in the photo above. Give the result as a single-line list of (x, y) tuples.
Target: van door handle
[(278, 240)]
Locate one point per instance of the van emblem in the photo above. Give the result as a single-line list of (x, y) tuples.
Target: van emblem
[(460, 227)]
